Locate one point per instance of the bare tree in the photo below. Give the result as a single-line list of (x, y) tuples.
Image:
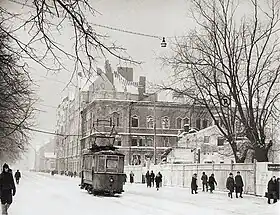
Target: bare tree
[(16, 100), (45, 20), (231, 64)]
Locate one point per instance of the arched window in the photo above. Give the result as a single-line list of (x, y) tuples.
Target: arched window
[(150, 122), (135, 121), (116, 119), (179, 123), (165, 122), (186, 121)]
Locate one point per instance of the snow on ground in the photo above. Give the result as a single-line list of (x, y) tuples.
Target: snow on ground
[(44, 194)]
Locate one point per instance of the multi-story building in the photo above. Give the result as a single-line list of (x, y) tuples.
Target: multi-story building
[(116, 97), (45, 157)]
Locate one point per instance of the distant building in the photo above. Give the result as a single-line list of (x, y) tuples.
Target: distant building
[(45, 158)]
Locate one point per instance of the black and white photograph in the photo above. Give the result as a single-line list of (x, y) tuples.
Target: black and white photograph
[(141, 107)]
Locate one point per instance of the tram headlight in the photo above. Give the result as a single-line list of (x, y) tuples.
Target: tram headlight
[(111, 180)]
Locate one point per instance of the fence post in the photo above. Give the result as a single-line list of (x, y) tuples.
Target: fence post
[(255, 177)]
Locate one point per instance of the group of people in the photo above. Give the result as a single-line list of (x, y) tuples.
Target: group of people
[(209, 184), (7, 187), (273, 189), (151, 178)]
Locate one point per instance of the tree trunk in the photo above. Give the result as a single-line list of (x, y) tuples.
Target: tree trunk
[(261, 154)]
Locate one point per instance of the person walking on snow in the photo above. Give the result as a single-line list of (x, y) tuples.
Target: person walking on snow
[(148, 179), (230, 185), (17, 176), (204, 180), (7, 189), (131, 177), (238, 185), (152, 178), (212, 182), (158, 180), (194, 184), (272, 190)]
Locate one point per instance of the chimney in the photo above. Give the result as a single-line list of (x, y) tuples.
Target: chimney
[(142, 87), (126, 72), (108, 72)]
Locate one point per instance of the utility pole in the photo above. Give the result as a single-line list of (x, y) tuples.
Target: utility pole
[(129, 131), (155, 134)]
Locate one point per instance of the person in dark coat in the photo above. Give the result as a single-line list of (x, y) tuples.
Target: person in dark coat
[(194, 184), (7, 188), (131, 177), (212, 182), (158, 180), (148, 179), (230, 185), (204, 179), (152, 178), (17, 176), (272, 190), (278, 188), (160, 184), (238, 185)]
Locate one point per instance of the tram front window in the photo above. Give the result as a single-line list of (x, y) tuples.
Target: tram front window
[(112, 164)]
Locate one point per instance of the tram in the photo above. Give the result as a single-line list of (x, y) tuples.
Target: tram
[(103, 168)]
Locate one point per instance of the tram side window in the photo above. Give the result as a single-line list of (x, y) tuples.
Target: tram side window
[(121, 164), (101, 164), (112, 164)]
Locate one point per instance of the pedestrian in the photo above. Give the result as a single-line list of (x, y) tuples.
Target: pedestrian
[(148, 179), (278, 188), (75, 174), (212, 182), (7, 188), (204, 179), (160, 175), (272, 190), (17, 176), (230, 185), (238, 185), (131, 177), (158, 180), (194, 184), (152, 178)]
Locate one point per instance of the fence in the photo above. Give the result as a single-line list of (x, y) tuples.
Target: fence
[(180, 175)]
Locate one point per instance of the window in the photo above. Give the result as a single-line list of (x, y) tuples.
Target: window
[(179, 123), (134, 142), (220, 141), (186, 121), (205, 123), (134, 121), (150, 122), (140, 142), (136, 160), (116, 119), (112, 164), (165, 122), (101, 164), (165, 141), (149, 142), (198, 121), (206, 139)]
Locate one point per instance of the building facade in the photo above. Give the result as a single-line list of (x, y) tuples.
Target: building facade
[(45, 157)]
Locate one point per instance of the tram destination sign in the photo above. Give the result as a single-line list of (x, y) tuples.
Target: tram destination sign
[(273, 167)]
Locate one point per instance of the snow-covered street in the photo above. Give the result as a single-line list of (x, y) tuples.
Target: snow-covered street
[(44, 194)]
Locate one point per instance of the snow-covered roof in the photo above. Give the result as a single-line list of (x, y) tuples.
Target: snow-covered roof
[(122, 85)]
